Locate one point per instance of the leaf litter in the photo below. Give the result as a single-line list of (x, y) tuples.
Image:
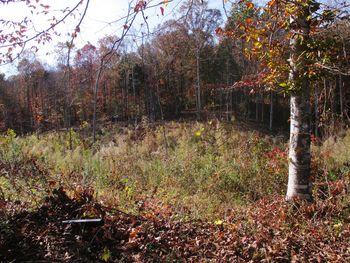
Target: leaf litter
[(271, 230)]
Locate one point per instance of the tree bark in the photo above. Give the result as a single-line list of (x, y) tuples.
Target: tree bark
[(198, 87), (299, 186), (257, 107), (299, 148), (94, 115), (317, 117), (262, 108), (341, 102), (271, 111)]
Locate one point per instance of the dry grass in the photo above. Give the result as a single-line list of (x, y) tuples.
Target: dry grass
[(201, 169)]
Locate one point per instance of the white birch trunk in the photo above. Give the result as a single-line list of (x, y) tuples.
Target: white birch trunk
[(299, 146)]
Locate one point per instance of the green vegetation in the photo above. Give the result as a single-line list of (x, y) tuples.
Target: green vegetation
[(201, 169), (169, 193)]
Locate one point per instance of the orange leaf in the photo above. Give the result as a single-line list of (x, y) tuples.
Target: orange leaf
[(250, 5), (271, 3), (133, 233)]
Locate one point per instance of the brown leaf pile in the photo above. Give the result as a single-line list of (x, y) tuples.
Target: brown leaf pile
[(272, 230)]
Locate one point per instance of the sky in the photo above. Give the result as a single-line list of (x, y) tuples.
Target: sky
[(98, 22)]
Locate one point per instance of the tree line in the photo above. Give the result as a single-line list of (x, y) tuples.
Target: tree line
[(184, 71)]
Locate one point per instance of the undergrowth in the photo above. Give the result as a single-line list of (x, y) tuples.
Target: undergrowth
[(201, 169)]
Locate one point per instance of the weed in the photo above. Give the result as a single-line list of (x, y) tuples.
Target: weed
[(204, 168)]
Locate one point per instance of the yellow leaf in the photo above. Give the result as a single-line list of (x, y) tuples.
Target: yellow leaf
[(258, 44), (106, 255), (337, 226), (218, 222), (198, 133)]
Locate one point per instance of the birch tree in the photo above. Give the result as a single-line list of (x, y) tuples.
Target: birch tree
[(290, 55), (300, 110)]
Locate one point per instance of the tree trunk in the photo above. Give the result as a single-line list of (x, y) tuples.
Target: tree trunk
[(271, 111), (94, 115), (198, 87), (257, 107), (299, 148), (262, 108), (341, 102), (135, 113), (67, 106), (317, 117), (300, 109)]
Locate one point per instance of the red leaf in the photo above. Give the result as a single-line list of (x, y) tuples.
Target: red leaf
[(219, 31), (162, 10), (249, 20)]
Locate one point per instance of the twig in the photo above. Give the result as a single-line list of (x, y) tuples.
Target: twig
[(45, 30)]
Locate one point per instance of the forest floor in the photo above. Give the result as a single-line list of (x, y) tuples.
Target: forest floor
[(192, 207), (271, 231)]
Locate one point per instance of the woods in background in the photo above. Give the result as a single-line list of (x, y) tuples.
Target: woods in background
[(187, 70)]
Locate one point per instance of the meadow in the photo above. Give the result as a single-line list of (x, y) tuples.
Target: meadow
[(205, 192)]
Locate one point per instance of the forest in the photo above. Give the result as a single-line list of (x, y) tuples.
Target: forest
[(219, 135)]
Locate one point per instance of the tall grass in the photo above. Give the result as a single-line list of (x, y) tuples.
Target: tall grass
[(201, 169)]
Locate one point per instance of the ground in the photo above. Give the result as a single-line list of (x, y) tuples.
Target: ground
[(210, 194)]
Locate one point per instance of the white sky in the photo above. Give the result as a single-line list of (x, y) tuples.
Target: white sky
[(95, 25)]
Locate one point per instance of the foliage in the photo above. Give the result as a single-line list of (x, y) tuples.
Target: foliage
[(212, 164), (206, 171), (268, 230), (268, 31)]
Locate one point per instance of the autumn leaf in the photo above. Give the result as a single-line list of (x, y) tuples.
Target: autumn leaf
[(52, 183), (133, 233), (162, 10), (249, 20), (258, 44), (218, 222), (106, 255), (250, 5), (271, 3), (219, 31)]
